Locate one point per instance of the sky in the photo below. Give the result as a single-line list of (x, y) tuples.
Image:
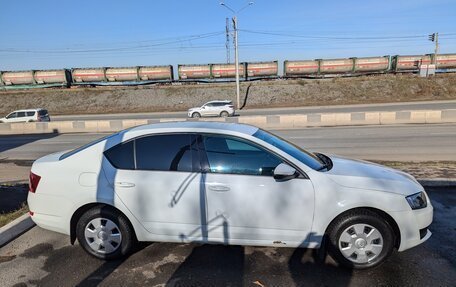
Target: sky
[(49, 34)]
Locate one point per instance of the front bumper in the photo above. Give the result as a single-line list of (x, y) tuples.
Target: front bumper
[(413, 226)]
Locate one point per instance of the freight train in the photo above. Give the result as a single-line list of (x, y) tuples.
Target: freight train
[(215, 72)]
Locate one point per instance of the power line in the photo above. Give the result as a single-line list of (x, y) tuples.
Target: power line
[(330, 37), (67, 51)]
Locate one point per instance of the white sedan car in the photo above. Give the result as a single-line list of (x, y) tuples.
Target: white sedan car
[(225, 183), (212, 109)]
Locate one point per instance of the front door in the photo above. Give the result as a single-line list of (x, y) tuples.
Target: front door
[(246, 205)]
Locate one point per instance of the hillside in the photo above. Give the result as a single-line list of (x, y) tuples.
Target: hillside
[(261, 94)]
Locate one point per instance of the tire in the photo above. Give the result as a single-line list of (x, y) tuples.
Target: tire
[(112, 237), (224, 114), (196, 115), (366, 239)]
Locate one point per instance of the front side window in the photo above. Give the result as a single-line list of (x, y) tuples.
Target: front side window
[(171, 152), (236, 156), (11, 116)]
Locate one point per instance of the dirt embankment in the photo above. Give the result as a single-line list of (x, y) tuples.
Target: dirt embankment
[(260, 94)]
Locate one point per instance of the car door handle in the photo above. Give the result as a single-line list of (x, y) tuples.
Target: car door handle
[(125, 184), (219, 188)]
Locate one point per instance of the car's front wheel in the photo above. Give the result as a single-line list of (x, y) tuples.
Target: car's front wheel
[(360, 239), (104, 233), (196, 115)]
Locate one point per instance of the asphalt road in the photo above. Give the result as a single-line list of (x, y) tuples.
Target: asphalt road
[(437, 105), (45, 258), (395, 143)]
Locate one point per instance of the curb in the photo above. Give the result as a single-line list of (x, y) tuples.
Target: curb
[(15, 228), (285, 121)]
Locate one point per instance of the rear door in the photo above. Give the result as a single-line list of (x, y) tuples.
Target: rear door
[(161, 185), (21, 117), (246, 205)]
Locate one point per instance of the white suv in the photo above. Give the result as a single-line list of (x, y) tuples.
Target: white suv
[(32, 115), (212, 108)]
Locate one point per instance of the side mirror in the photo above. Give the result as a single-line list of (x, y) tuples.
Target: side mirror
[(284, 172)]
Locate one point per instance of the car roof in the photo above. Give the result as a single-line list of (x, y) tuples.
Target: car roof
[(197, 126), (28, 110), (221, 101)]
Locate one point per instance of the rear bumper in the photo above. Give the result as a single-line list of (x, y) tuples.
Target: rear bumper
[(50, 212), (50, 222), (413, 226)]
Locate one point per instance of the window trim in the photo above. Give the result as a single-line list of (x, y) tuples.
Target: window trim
[(205, 161)]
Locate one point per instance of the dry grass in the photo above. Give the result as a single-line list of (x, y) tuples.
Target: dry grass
[(6, 218), (271, 93), (424, 169)]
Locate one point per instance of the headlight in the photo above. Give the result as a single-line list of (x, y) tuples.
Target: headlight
[(417, 200)]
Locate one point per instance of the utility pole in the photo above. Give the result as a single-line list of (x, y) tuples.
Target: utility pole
[(236, 52), (236, 62), (434, 37), (227, 44)]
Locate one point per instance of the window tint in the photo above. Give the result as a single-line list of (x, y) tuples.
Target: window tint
[(235, 156), (164, 152), (11, 116), (121, 156), (30, 114), (43, 112), (20, 114)]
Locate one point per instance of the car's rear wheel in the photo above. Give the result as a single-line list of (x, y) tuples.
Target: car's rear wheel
[(105, 233), (224, 114), (360, 239), (196, 115)]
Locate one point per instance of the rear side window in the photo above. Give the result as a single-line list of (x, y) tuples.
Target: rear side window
[(43, 112), (164, 152), (30, 114), (20, 114), (121, 156)]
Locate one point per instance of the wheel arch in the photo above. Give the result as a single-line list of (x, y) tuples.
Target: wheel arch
[(84, 208), (388, 218)]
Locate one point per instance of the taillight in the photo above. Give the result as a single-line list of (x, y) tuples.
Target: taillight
[(33, 182), (231, 106)]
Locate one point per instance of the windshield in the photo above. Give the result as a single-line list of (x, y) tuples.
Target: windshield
[(293, 150)]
